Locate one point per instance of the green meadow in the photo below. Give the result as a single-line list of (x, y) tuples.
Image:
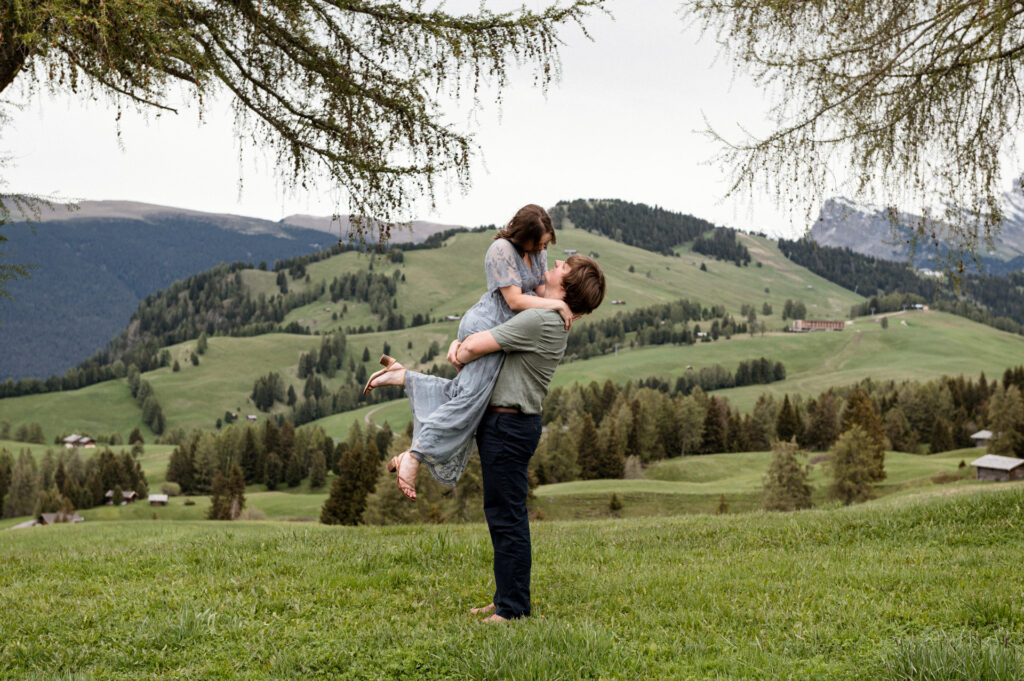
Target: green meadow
[(847, 593)]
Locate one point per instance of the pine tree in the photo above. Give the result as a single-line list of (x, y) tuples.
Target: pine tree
[(723, 506), (135, 436), (205, 463), (220, 499), (249, 458), (236, 492), (294, 472), (587, 456), (318, 470), (824, 422), (336, 510), (272, 473), (6, 469), (49, 501), (787, 425), (942, 436), (853, 466), (179, 468), (1006, 421), (23, 489), (860, 411), (785, 485), (286, 440), (714, 428)]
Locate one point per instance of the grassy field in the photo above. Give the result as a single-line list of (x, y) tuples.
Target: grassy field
[(695, 484), (851, 593)]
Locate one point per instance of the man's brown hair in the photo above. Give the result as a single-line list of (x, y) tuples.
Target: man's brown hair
[(527, 227), (584, 284)]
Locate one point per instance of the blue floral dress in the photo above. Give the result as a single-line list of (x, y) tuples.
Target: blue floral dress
[(446, 412)]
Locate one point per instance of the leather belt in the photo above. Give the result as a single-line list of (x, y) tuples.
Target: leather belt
[(504, 410)]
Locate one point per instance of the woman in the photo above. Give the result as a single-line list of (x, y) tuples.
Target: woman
[(446, 412)]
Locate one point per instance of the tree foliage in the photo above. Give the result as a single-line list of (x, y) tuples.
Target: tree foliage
[(340, 90), (853, 467), (918, 99), (785, 484)]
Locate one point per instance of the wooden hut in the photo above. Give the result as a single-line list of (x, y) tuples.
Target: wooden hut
[(997, 468)]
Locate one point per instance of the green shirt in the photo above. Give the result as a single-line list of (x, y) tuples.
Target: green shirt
[(533, 342)]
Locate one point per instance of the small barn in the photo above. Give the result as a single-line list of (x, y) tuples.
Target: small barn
[(157, 499), (127, 496), (993, 467), (53, 518), (982, 438)]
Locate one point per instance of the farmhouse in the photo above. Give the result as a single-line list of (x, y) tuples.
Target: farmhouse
[(999, 468), (802, 325), (76, 440), (157, 499), (452, 317), (982, 438)]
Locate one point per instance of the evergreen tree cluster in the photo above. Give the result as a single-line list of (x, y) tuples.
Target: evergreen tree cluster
[(325, 361), (269, 454), (635, 224), (267, 390), (663, 324), (794, 309), (31, 432), (64, 482), (591, 430), (723, 245)]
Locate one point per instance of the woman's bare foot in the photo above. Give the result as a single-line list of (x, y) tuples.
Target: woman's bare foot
[(494, 619), (408, 466), (394, 374), (482, 610)]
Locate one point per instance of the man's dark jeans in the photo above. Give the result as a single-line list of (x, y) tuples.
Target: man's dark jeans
[(506, 443)]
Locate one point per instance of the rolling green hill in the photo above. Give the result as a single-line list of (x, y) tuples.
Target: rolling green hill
[(449, 279), (440, 281)]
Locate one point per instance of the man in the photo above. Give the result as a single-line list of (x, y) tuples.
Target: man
[(533, 342)]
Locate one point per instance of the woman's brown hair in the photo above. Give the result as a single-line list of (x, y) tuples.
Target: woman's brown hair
[(527, 227)]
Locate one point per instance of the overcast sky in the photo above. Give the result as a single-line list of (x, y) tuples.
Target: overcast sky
[(624, 122)]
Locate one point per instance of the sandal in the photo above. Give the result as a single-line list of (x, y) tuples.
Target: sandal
[(408, 488), (389, 363)]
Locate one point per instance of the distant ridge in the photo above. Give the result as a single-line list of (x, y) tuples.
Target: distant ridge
[(415, 232)]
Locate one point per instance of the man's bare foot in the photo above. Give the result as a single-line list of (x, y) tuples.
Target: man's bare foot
[(482, 610), (494, 619), (408, 466)]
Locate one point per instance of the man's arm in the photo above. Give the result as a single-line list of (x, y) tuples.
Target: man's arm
[(474, 347)]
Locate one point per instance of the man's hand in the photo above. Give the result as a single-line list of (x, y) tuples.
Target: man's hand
[(453, 351), (566, 313)]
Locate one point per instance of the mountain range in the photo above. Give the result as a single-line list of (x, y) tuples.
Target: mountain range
[(94, 264), (868, 230)]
